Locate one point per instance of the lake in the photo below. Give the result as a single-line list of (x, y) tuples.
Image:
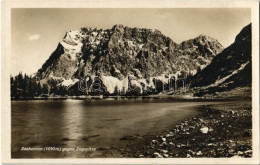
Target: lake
[(101, 125)]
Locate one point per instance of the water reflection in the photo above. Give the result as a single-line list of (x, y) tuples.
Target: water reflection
[(92, 123)]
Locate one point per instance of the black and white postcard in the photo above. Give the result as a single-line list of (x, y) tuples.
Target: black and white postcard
[(129, 82)]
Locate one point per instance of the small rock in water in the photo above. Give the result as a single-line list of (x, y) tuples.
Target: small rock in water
[(172, 144), (204, 130), (164, 144), (199, 153), (166, 155), (211, 144), (188, 156), (183, 145), (240, 153), (164, 151), (211, 129), (164, 139), (154, 141), (248, 153), (169, 135), (157, 155), (141, 156), (191, 127), (191, 152)]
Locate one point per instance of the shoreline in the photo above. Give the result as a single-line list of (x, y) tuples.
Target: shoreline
[(237, 93), (222, 130), (150, 97), (198, 135)]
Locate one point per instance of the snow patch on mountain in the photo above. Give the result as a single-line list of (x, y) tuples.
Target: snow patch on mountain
[(111, 83), (72, 44), (69, 82)]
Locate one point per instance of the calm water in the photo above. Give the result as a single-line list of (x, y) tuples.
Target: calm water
[(94, 123)]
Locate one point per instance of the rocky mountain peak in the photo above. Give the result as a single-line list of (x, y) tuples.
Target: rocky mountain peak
[(229, 69), (117, 54), (204, 44), (245, 34)]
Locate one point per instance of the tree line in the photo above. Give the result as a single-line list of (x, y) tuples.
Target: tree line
[(24, 86), (27, 87)]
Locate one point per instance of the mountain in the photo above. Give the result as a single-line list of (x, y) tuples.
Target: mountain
[(230, 69), (122, 58)]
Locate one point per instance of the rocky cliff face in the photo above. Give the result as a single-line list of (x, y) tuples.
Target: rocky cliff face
[(122, 58), (230, 69)]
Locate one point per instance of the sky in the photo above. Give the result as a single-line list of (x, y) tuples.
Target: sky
[(36, 32)]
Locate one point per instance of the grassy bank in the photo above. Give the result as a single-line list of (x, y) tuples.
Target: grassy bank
[(224, 130)]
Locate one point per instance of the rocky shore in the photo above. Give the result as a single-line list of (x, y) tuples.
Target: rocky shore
[(222, 131)]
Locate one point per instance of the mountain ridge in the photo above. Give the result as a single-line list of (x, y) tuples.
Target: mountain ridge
[(231, 69), (137, 55)]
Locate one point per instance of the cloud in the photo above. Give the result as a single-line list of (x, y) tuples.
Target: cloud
[(34, 37)]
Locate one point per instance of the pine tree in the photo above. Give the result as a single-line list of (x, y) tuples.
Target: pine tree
[(13, 87), (45, 89), (39, 89), (30, 89)]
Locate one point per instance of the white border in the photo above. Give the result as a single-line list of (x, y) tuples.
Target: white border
[(6, 54)]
